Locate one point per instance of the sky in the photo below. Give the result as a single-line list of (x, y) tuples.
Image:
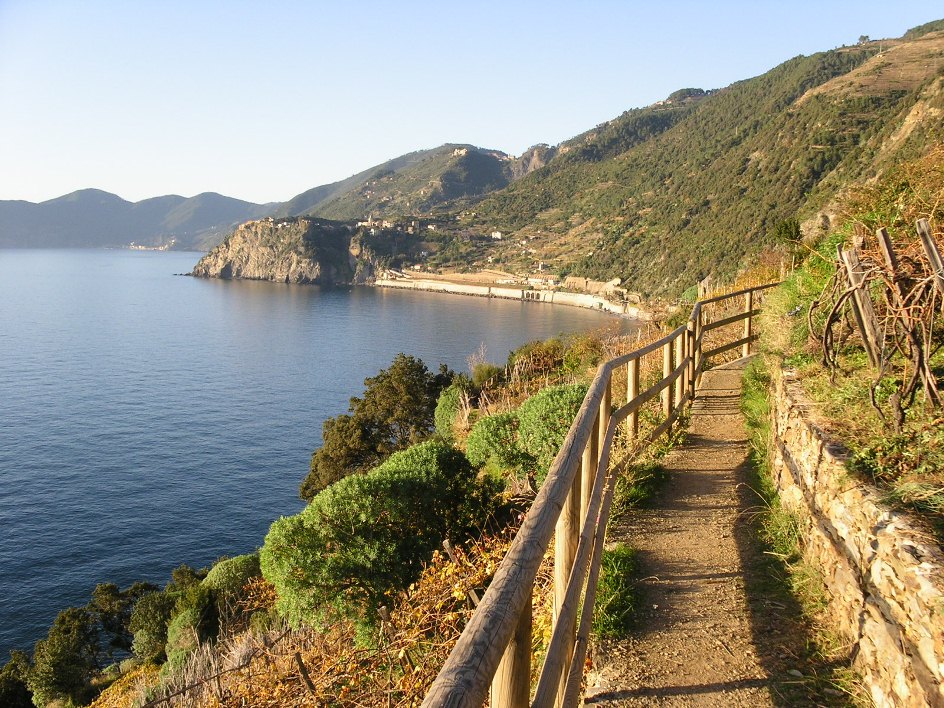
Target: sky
[(264, 100)]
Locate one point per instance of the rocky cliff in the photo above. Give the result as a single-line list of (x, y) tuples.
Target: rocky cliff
[(293, 250)]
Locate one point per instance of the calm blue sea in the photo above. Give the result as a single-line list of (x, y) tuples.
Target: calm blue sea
[(148, 420)]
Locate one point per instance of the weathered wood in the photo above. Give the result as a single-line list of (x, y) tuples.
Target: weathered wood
[(575, 676), (632, 392), (679, 358), (464, 678), (862, 309), (649, 348), (566, 537), (748, 308), (933, 253), (667, 367), (717, 324), (728, 347), (588, 468), (692, 344), (737, 293), (549, 690), (511, 687), (605, 405)]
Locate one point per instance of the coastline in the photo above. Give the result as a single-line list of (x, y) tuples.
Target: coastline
[(554, 297)]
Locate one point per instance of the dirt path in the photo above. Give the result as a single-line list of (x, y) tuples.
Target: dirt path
[(695, 643)]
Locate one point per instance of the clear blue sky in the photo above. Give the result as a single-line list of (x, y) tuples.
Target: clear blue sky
[(263, 100)]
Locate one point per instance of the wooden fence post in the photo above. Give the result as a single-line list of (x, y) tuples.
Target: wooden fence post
[(511, 687), (690, 329), (588, 469), (632, 390), (666, 372), (748, 306), (679, 358), (566, 535), (604, 417)]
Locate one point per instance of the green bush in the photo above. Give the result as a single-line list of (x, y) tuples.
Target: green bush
[(447, 408), (485, 374), (183, 638), (228, 577), (539, 357), (544, 420), (494, 441), (369, 535), (149, 622)]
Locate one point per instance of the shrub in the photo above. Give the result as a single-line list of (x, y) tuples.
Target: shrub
[(447, 408), (545, 419), (183, 638), (538, 357), (149, 624), (228, 577), (494, 440), (369, 535), (485, 374)]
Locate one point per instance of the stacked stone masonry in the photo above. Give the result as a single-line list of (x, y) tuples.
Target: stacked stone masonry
[(882, 569)]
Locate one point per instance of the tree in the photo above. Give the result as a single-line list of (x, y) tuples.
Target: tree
[(63, 662), (112, 608), (396, 411), (367, 536), (149, 622), (14, 692)]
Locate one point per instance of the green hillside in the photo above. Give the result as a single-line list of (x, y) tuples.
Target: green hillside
[(665, 195), (417, 183)]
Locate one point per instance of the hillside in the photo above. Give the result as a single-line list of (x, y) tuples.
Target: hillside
[(417, 183), (97, 219), (666, 195)]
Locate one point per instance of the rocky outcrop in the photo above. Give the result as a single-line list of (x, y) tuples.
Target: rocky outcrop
[(294, 250), (883, 572)]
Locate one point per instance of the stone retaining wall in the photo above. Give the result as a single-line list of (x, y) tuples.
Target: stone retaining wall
[(883, 570)]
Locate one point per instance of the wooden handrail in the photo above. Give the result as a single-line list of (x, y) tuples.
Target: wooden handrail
[(578, 478)]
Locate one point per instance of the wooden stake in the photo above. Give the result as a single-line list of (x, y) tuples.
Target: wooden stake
[(932, 252), (862, 308)]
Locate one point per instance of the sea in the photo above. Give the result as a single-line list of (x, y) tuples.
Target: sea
[(149, 419)]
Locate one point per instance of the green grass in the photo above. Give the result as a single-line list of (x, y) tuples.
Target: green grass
[(617, 597), (782, 578)]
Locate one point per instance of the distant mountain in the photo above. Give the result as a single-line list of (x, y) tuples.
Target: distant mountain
[(417, 183), (93, 218)]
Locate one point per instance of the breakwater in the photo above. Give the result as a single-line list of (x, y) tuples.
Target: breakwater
[(556, 297)]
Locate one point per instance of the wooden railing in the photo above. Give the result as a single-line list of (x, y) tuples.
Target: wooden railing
[(494, 650)]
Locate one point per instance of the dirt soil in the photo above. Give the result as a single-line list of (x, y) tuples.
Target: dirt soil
[(700, 640)]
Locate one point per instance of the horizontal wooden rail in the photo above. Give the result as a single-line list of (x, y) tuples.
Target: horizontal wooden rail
[(731, 345), (579, 478), (729, 320)]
